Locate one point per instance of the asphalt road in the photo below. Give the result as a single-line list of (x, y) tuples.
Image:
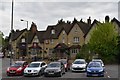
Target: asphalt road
[(111, 71)]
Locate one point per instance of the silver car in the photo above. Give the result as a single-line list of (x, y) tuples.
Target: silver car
[(98, 60), (54, 69), (35, 69)]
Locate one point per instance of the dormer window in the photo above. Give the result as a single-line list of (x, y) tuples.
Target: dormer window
[(52, 31), (23, 40)]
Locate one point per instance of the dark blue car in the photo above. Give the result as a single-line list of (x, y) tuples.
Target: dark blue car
[(95, 69)]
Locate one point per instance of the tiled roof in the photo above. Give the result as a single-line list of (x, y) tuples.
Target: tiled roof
[(94, 22), (75, 46), (16, 34), (115, 20)]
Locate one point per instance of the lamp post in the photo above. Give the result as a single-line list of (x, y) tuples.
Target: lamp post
[(11, 33), (26, 36)]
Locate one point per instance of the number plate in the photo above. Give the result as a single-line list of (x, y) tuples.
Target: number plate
[(51, 73), (12, 71)]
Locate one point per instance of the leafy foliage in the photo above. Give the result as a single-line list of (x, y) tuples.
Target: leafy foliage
[(104, 41)]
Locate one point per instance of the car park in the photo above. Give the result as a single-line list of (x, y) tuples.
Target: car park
[(35, 68), (79, 65), (54, 69), (66, 64), (95, 69), (98, 60), (17, 68)]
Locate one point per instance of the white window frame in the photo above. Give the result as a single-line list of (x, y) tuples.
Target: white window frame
[(76, 39), (23, 40), (52, 31)]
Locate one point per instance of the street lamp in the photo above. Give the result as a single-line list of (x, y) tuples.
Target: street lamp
[(26, 36), (11, 32), (25, 21)]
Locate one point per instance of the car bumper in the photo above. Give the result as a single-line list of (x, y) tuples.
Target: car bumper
[(52, 74), (95, 74), (31, 74), (14, 73), (78, 69)]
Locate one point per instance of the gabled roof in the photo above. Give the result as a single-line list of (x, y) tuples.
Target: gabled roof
[(30, 36), (83, 26), (16, 34), (115, 20), (40, 35), (94, 22), (58, 28), (61, 46), (75, 46)]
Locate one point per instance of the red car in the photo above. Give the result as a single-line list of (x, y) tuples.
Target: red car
[(66, 64), (17, 68)]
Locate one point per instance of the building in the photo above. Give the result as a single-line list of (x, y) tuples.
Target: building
[(58, 41)]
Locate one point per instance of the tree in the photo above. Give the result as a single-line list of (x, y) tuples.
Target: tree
[(104, 41)]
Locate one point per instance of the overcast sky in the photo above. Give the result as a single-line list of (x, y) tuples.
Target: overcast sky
[(48, 13)]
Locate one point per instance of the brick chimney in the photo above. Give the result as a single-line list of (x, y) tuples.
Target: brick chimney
[(89, 21), (33, 27)]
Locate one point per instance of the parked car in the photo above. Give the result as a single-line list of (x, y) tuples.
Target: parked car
[(95, 69), (17, 68), (79, 65), (98, 60), (54, 69), (66, 64), (35, 69), (1, 55)]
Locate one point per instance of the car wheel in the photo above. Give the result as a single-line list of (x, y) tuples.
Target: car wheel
[(60, 74), (8, 74), (40, 73), (66, 69), (87, 75)]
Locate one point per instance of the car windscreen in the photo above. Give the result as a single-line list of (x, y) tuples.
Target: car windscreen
[(94, 65), (34, 65), (53, 65), (79, 62), (17, 65)]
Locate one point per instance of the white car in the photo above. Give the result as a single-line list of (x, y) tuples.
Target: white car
[(79, 65), (98, 60), (35, 69)]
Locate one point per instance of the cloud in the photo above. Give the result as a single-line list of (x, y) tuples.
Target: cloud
[(48, 13)]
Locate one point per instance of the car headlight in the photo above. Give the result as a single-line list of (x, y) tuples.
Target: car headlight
[(45, 70), (25, 71), (19, 69), (88, 70), (101, 70), (58, 70), (8, 68)]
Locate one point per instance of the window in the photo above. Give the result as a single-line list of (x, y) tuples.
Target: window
[(52, 31), (63, 40), (46, 41), (76, 39), (75, 51), (51, 41), (23, 40)]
